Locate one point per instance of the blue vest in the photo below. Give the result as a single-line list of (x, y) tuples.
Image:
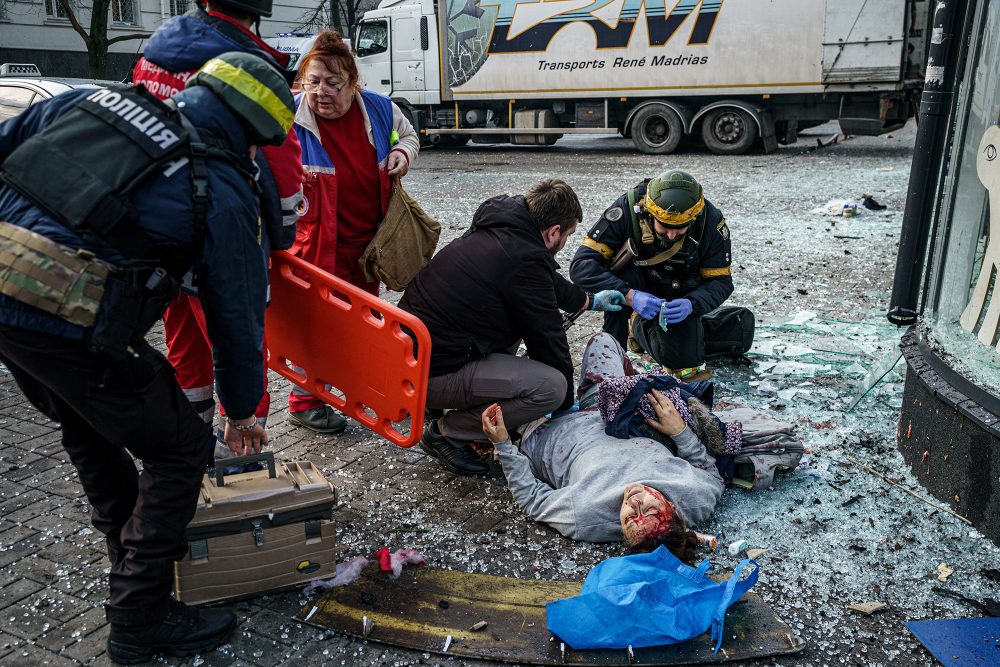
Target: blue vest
[(379, 108)]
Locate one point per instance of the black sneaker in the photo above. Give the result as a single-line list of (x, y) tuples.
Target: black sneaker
[(459, 459), (184, 631)]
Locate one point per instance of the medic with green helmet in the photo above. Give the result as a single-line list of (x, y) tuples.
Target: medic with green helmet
[(667, 248)]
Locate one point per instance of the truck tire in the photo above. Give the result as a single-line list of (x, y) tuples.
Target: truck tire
[(729, 131), (454, 140), (656, 129)]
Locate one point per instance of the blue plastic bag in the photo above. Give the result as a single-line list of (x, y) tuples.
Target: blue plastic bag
[(648, 599)]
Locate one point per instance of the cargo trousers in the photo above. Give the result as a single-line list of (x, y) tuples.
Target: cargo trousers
[(682, 345), (524, 389), (109, 410)]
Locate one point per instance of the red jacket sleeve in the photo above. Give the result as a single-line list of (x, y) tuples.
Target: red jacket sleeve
[(286, 164)]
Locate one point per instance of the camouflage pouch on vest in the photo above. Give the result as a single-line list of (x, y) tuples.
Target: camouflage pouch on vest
[(57, 280)]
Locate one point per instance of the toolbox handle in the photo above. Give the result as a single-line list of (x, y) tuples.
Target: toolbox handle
[(221, 465)]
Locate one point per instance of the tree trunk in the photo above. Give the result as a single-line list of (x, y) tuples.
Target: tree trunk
[(352, 14), (335, 17), (97, 57), (97, 51)]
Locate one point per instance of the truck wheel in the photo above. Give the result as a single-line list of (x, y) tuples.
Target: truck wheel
[(656, 129), (729, 131)]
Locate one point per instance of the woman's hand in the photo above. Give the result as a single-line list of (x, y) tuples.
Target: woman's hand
[(493, 425), (244, 441), (668, 421), (397, 164)]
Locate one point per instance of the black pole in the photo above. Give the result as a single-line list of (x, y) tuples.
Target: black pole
[(928, 154)]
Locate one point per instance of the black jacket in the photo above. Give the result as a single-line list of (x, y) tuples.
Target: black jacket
[(699, 272), (495, 285)]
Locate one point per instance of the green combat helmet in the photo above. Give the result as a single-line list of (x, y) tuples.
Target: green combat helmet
[(674, 199), (253, 91)]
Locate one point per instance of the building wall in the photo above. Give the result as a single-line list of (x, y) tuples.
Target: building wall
[(29, 32)]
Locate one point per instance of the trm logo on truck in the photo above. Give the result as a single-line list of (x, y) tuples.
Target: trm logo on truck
[(660, 25)]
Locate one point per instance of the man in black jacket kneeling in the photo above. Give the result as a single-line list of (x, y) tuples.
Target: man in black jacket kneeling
[(483, 293)]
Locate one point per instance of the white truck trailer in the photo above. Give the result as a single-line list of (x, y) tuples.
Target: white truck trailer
[(731, 72)]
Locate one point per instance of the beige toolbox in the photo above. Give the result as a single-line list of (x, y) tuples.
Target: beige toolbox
[(258, 532)]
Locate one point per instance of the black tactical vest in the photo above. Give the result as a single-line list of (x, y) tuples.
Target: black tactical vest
[(678, 275), (97, 153), (94, 156)]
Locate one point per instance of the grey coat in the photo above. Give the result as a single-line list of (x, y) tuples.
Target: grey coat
[(572, 475)]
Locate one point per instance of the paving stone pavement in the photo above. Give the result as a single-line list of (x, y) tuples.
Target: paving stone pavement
[(53, 565), (52, 562)]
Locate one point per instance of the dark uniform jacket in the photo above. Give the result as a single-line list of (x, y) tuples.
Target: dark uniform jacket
[(185, 43), (496, 284), (230, 266), (700, 271)]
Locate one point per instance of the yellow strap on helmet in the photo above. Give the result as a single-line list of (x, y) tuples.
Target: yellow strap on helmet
[(255, 91), (674, 219)]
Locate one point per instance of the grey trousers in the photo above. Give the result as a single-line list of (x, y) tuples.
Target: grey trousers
[(525, 390)]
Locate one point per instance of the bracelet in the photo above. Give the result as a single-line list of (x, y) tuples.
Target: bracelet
[(242, 427), (592, 301)]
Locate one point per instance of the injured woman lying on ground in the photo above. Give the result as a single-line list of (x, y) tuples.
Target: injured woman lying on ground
[(643, 459)]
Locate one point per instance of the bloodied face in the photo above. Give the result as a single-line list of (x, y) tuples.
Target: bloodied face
[(645, 513)]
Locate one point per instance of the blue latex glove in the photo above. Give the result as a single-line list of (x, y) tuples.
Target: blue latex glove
[(677, 310), (608, 300), (647, 305)]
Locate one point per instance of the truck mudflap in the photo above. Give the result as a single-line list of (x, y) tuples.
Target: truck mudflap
[(891, 114)]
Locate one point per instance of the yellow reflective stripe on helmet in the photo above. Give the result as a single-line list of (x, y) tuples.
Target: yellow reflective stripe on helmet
[(605, 250), (715, 273), (674, 219), (244, 82)]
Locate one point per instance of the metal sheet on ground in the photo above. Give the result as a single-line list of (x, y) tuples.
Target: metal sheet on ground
[(426, 605)]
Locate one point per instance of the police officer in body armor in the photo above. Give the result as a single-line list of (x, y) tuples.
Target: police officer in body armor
[(108, 197), (173, 54), (667, 248)]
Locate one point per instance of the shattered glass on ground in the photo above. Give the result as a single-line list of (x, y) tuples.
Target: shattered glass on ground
[(834, 534)]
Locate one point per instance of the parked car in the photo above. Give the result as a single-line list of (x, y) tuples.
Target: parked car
[(22, 85)]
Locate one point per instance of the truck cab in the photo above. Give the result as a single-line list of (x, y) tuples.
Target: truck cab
[(397, 51)]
